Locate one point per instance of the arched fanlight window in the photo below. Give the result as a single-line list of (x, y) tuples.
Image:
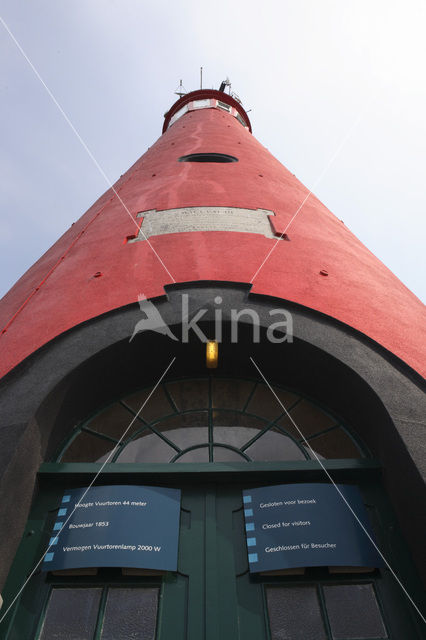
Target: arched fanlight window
[(210, 420)]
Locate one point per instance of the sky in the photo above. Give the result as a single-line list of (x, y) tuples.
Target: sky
[(335, 89)]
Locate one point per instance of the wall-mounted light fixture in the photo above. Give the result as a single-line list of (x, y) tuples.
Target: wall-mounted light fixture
[(212, 354)]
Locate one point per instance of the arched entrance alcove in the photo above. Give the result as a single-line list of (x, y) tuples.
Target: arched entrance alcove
[(328, 367)]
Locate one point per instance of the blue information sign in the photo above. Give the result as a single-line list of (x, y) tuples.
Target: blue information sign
[(116, 526), (306, 525)]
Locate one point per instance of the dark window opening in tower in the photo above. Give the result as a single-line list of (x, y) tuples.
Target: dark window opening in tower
[(224, 105), (241, 120), (208, 157)]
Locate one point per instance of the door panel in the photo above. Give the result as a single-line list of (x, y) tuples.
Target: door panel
[(212, 596), (219, 604)]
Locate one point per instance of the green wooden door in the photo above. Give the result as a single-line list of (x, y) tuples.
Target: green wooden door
[(202, 600), (213, 596), (212, 580)]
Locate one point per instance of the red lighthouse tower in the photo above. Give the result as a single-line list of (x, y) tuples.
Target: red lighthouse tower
[(211, 237)]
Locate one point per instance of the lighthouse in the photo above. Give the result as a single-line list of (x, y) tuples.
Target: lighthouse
[(209, 327)]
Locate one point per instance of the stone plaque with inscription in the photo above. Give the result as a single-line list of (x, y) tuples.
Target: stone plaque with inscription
[(188, 219)]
